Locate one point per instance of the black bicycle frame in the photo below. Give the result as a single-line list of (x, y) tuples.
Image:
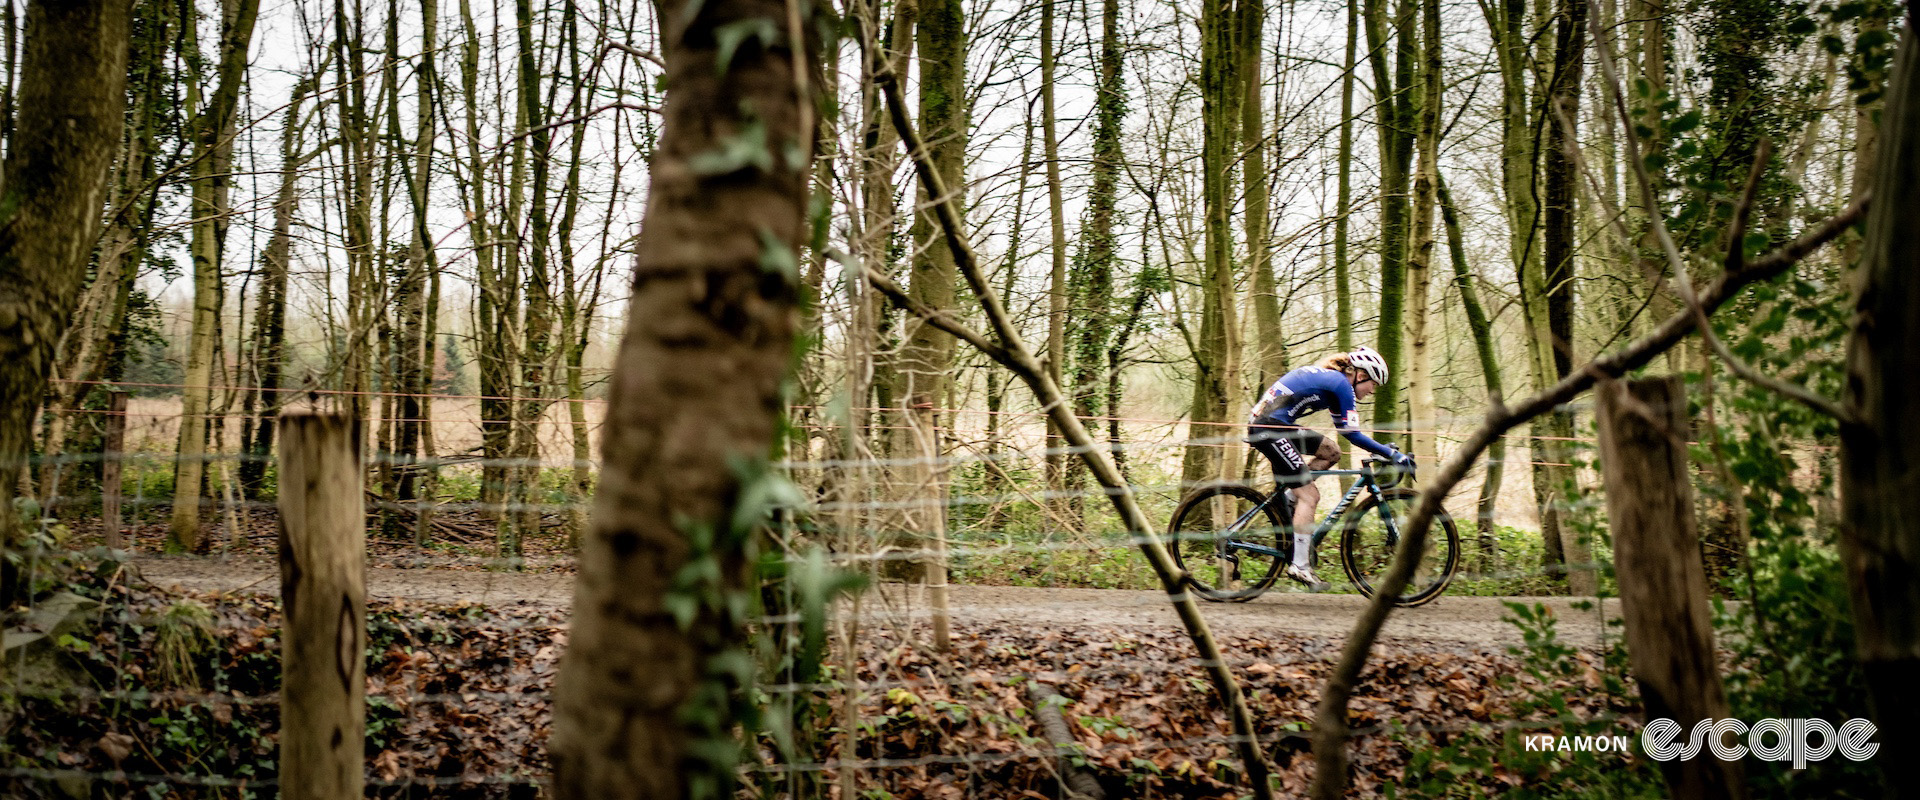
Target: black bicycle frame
[(1326, 526)]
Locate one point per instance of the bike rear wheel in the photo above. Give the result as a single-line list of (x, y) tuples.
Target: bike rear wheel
[(1198, 540), (1371, 532)]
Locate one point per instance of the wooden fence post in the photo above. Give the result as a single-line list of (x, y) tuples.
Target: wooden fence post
[(1663, 586), (111, 453), (323, 595)]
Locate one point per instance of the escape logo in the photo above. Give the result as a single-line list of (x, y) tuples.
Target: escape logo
[(1795, 740), (1791, 740)]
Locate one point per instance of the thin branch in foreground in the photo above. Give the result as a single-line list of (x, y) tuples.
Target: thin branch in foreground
[(1021, 360), (1330, 720)]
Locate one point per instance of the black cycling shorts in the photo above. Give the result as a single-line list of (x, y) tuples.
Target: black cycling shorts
[(1288, 449)]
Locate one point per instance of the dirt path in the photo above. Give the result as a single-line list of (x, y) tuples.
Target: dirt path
[(1445, 623)]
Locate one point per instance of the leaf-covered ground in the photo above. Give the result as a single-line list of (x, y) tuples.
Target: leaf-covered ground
[(458, 707)]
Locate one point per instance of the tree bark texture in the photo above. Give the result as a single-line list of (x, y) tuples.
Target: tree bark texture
[(72, 78), (643, 706), (323, 594), (112, 456), (927, 354), (212, 165), (1270, 347), (1217, 353), (1426, 201), (1663, 587), (1481, 329), (1057, 462), (1559, 245), (1879, 466)]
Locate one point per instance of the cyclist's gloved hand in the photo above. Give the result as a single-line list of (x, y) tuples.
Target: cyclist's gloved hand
[(1402, 460)]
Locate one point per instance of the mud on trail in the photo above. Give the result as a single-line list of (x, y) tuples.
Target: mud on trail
[(1449, 624)]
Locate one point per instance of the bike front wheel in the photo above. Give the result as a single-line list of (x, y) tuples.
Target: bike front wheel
[(1373, 530), (1199, 539)]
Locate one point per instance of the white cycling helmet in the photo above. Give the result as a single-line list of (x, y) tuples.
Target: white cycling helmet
[(1370, 362)]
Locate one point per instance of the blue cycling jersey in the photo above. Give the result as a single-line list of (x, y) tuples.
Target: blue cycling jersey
[(1309, 389)]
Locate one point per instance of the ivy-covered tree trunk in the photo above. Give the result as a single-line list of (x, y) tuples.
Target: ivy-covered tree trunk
[(1343, 202), (1100, 248), (649, 696), (1217, 356), (72, 91)]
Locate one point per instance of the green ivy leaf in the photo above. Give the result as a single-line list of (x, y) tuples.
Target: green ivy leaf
[(747, 147), (777, 257), (684, 606), (733, 34)]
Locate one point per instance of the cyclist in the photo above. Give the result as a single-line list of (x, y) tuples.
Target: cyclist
[(1335, 384)]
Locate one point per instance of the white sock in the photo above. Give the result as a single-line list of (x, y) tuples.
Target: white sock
[(1301, 541)]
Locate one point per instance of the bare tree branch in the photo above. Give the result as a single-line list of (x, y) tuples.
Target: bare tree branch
[(1022, 361), (1736, 246), (1330, 721)]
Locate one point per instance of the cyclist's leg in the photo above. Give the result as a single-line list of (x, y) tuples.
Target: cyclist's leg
[(1306, 496), (1289, 472)]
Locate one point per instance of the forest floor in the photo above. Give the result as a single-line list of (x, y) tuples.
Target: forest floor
[(1445, 623), (461, 665)]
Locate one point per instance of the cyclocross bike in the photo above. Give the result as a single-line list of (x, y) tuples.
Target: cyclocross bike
[(1233, 544)]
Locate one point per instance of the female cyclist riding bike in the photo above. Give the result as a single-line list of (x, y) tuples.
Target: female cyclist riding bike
[(1336, 384)]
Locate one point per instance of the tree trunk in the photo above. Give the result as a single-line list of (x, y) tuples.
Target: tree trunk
[(1663, 589), (1481, 329), (493, 324), (1393, 104), (1217, 359), (643, 703), (1558, 248), (417, 438), (1423, 419), (1343, 205), (1879, 476), (1270, 352), (1100, 247), (1057, 462), (212, 163), (537, 330), (928, 352), (270, 322), (72, 89)]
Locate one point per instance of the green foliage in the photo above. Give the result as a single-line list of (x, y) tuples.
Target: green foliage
[(1790, 643), (1495, 759), (1516, 575), (184, 635)]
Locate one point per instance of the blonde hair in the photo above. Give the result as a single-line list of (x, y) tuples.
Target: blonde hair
[(1338, 362)]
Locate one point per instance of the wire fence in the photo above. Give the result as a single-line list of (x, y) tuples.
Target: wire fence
[(1001, 523)]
